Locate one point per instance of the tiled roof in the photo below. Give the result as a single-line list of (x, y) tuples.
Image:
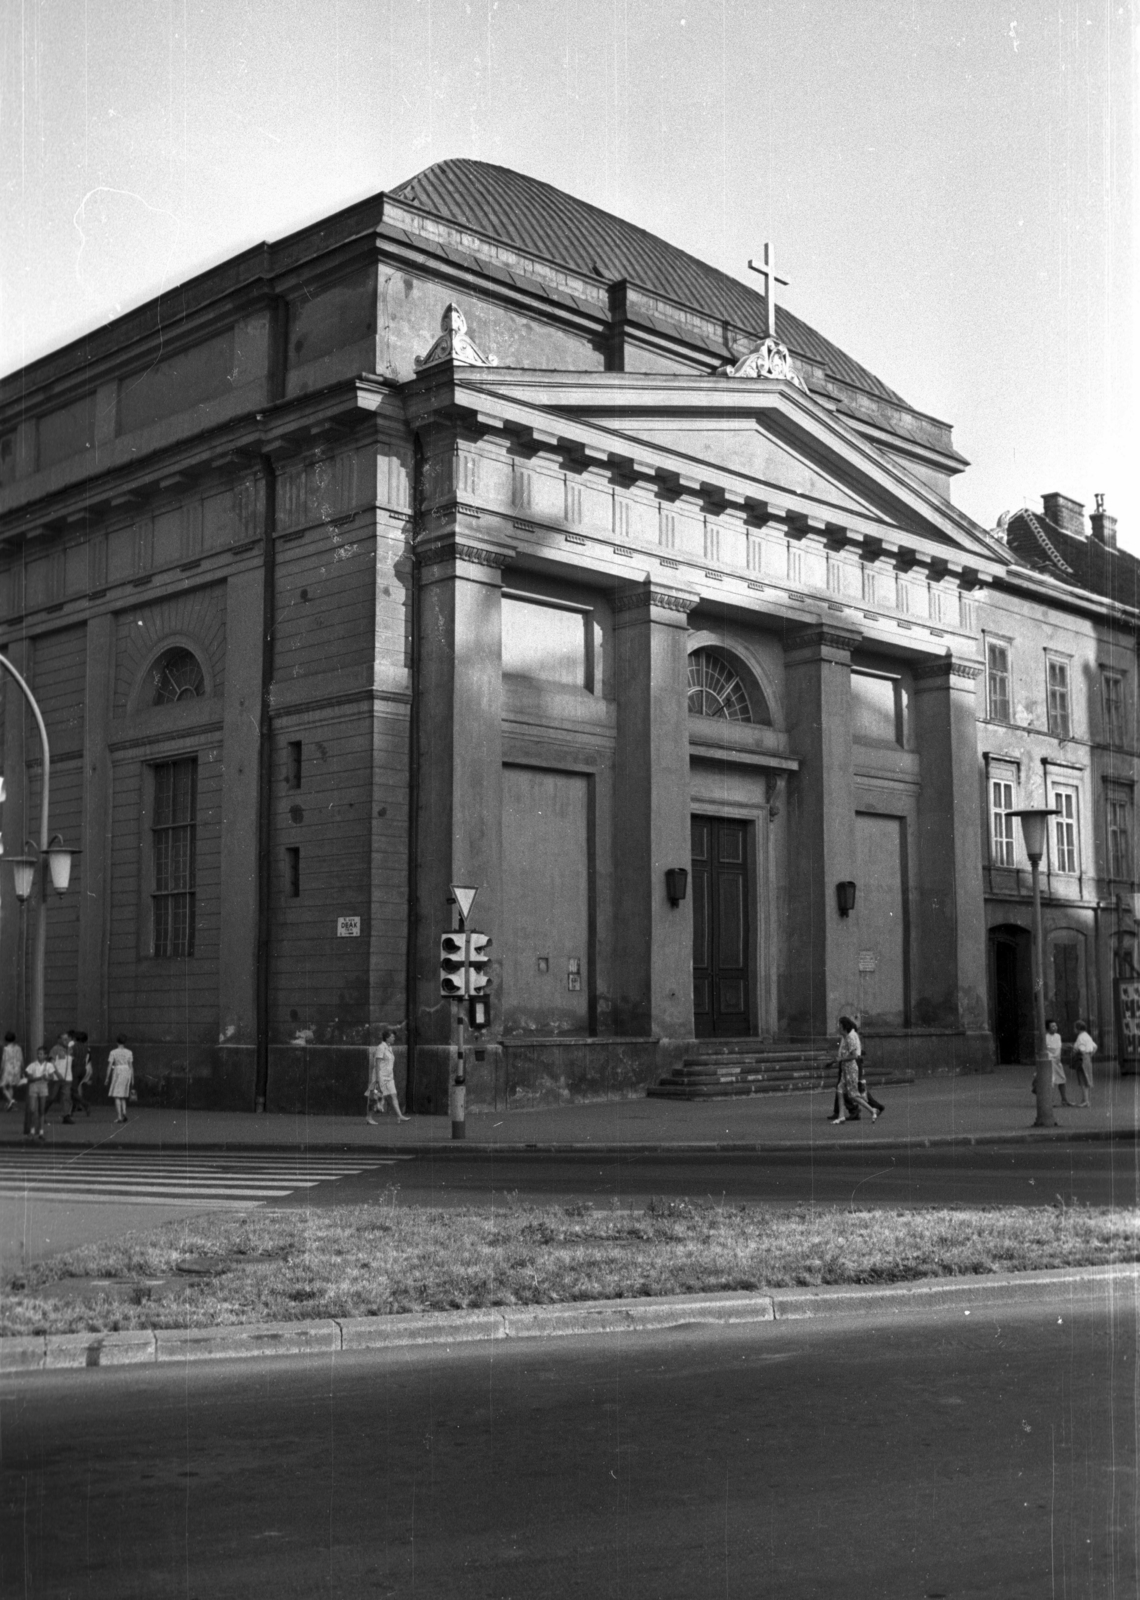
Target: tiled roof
[(537, 218), (1086, 563)]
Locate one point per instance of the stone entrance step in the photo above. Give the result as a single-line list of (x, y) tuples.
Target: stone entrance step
[(748, 1067)]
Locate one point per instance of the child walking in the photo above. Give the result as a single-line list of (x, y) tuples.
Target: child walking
[(120, 1077), (1084, 1048)]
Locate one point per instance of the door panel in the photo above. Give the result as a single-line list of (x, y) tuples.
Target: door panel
[(721, 932)]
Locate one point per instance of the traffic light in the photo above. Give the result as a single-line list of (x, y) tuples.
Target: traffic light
[(453, 965), (478, 963), (479, 1012)]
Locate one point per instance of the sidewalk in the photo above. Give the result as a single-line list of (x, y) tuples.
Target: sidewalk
[(991, 1107)]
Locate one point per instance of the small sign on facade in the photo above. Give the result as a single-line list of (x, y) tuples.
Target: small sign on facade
[(573, 982), (542, 963), (867, 961), (574, 964), (348, 927)]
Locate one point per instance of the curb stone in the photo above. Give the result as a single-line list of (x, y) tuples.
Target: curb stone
[(55, 1352), (1129, 1135)]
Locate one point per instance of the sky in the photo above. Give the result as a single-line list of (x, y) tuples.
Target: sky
[(950, 185)]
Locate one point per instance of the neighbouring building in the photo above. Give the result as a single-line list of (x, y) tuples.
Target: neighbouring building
[(1057, 728), (474, 535)]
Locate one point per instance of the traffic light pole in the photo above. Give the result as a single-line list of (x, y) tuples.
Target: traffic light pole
[(458, 1097)]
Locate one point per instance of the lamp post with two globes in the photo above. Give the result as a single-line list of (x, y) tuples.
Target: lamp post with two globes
[(1034, 824), (52, 857)]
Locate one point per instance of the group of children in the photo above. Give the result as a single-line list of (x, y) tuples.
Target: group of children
[(1084, 1048), (61, 1076)]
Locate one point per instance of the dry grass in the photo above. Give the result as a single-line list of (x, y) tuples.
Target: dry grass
[(375, 1260)]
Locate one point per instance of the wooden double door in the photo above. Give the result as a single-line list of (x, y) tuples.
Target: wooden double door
[(722, 936)]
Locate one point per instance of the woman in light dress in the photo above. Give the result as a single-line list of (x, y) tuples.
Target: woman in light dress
[(1053, 1051), (1084, 1048), (850, 1051), (120, 1077), (382, 1078), (11, 1070)]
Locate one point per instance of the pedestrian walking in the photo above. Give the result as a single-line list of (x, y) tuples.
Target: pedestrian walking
[(120, 1077), (850, 1052), (61, 1062), (82, 1071), (1053, 1043), (11, 1070), (1084, 1048), (38, 1075), (382, 1078)]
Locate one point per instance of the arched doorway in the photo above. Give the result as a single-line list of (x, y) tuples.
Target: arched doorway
[(1011, 992)]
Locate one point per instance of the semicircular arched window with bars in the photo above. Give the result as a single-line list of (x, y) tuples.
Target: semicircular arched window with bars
[(715, 690), (177, 675)]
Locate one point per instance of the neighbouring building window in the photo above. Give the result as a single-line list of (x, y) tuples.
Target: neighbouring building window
[(293, 764), (1112, 699), (1003, 803), (1060, 718), (1066, 844), (174, 829), (715, 690), (997, 681), (177, 675), (1120, 835), (293, 871)]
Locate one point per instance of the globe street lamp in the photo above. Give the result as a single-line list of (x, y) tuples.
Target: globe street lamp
[(51, 856), (1034, 824)]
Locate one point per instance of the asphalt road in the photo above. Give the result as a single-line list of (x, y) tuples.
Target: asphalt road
[(1101, 1174), (990, 1454)]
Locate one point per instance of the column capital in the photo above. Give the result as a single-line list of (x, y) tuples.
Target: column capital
[(648, 597), (449, 544), (819, 639), (946, 672)]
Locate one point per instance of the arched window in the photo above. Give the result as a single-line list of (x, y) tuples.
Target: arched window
[(177, 675), (717, 690)]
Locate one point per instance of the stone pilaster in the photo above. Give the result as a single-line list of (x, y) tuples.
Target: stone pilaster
[(241, 743), (653, 941), (94, 905), (951, 980), (821, 961), (459, 753)]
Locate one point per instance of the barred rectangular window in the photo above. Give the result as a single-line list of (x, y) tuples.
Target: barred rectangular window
[(1120, 835), (1003, 801), (1060, 718), (1112, 695), (1066, 852), (174, 830), (997, 681)]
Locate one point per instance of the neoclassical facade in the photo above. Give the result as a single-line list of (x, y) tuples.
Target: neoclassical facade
[(476, 536)]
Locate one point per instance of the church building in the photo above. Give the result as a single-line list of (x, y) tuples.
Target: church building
[(476, 536)]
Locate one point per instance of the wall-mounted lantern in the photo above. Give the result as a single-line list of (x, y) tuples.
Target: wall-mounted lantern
[(676, 884), (845, 897)]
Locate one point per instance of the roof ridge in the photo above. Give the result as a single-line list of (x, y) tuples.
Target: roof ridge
[(573, 232), (1043, 537)]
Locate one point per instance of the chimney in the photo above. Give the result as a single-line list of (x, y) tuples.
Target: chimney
[(1065, 514), (1103, 526)]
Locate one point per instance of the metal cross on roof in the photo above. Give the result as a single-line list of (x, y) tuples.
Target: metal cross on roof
[(768, 273)]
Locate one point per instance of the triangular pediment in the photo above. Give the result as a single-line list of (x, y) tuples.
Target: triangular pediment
[(763, 439)]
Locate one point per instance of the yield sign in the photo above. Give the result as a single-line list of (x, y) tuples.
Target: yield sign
[(464, 899)]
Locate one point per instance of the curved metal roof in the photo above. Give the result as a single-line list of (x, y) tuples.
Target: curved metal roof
[(537, 218)]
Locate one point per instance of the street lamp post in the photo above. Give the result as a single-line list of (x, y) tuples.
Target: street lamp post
[(51, 855), (1034, 822)]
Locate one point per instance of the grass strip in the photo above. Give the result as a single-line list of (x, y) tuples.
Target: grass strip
[(382, 1258)]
